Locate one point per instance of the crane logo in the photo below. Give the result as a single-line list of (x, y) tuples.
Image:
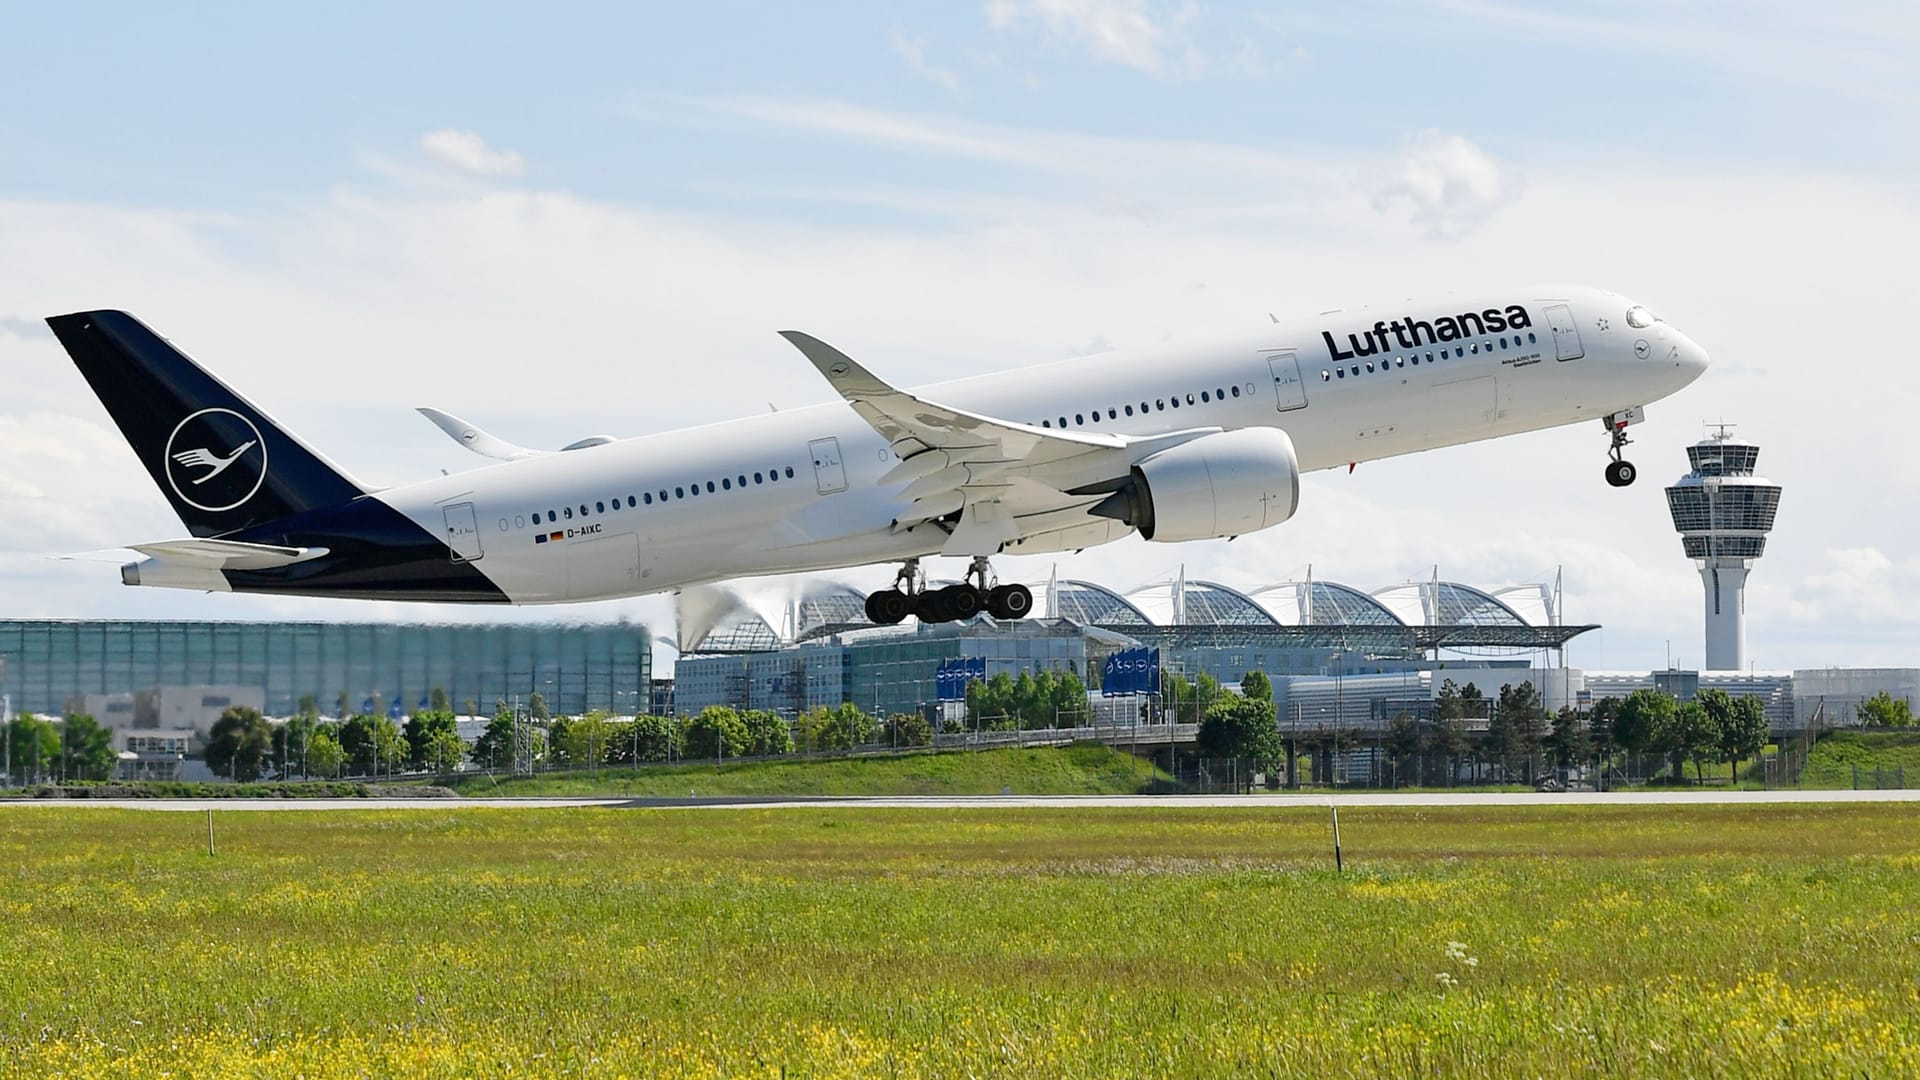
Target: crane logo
[(215, 460)]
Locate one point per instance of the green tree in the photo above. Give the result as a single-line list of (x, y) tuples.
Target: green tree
[(291, 741), (906, 729), (438, 700), (86, 749), (1571, 740), (718, 732), (652, 738), (494, 748), (537, 706), (423, 731), (768, 733), (1403, 744), (309, 706), (1743, 732), (1069, 701), (34, 746), (1448, 739), (324, 756), (1517, 730), (239, 743), (1030, 700), (990, 704), (1639, 719), (584, 740), (1885, 710), (372, 743), (1689, 735), (1176, 696), (841, 727), (445, 752), (1243, 728), (1255, 686)]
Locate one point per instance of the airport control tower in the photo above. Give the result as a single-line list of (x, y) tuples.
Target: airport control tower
[(1723, 513)]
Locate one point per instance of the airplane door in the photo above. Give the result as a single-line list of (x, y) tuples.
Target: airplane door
[(1566, 336), (1290, 393), (829, 474), (463, 533)]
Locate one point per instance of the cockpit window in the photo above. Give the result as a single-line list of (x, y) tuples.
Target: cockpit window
[(1640, 318)]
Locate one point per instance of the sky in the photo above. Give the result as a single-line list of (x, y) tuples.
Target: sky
[(594, 218)]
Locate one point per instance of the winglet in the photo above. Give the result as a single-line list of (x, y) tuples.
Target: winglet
[(854, 382), (475, 439)]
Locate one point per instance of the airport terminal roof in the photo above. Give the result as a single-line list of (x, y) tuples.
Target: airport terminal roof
[(1309, 614)]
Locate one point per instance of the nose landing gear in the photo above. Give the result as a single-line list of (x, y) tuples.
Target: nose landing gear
[(910, 596), (1620, 472)]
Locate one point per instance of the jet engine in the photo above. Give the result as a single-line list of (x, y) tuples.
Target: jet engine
[(1226, 484)]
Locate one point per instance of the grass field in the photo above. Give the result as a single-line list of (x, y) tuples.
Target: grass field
[(1081, 769), (1832, 761), (1569, 941)]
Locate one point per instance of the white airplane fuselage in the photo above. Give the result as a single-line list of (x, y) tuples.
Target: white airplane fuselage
[(808, 489)]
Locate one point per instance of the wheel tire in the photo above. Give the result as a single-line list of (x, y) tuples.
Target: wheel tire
[(890, 606), (873, 607), (1621, 473), (931, 607), (961, 601), (1010, 602)]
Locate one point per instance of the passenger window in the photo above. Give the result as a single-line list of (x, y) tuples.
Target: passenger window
[(1113, 414), (1079, 419), (1399, 361), (1343, 373), (725, 483), (536, 517), (1048, 424), (663, 494), (1143, 408), (632, 502), (694, 489), (647, 497), (679, 493), (1236, 391), (1174, 401), (1219, 394), (709, 487), (599, 506), (789, 472), (1161, 404), (1129, 410), (1458, 351), (1063, 421), (742, 478), (569, 513), (1369, 367), (1189, 399), (583, 509), (759, 478), (519, 521), (1204, 398), (1503, 343), (1474, 347), (1529, 337)]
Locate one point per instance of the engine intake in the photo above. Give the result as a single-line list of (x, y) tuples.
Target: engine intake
[(1221, 485)]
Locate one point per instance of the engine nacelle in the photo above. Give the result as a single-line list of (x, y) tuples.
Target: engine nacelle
[(1220, 485)]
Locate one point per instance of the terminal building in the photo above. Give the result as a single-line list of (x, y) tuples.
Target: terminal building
[(46, 663)]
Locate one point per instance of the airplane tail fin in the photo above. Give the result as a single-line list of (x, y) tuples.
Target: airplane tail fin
[(221, 462)]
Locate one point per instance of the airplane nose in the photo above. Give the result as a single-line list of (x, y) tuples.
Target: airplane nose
[(1690, 357)]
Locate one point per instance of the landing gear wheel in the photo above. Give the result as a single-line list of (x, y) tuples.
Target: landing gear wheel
[(933, 607), (961, 601), (1009, 601), (1621, 473), (889, 606)]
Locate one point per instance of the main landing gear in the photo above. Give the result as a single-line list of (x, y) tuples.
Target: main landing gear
[(910, 596), (1620, 472)]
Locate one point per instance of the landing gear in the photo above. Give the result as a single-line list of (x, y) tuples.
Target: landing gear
[(1621, 472), (910, 596)]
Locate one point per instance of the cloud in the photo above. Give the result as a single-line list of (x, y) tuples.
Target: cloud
[(468, 152), (913, 52), (1123, 32), (1449, 184)]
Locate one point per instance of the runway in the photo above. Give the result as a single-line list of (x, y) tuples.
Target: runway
[(991, 802)]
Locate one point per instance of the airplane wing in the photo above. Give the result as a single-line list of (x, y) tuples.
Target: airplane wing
[(995, 472)]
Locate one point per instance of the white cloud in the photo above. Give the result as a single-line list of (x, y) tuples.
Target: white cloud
[(1124, 32), (1449, 184), (468, 152), (913, 52)]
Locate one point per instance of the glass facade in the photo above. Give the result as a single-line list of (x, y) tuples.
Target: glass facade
[(576, 668)]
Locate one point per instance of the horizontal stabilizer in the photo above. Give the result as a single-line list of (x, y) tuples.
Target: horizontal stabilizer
[(227, 554)]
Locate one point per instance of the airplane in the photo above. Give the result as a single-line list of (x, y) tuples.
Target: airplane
[(1173, 443)]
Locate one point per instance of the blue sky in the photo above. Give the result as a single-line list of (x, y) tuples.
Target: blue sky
[(593, 218)]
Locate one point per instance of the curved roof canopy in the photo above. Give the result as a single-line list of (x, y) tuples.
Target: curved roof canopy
[(1321, 603), (1446, 603), (1095, 605)]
